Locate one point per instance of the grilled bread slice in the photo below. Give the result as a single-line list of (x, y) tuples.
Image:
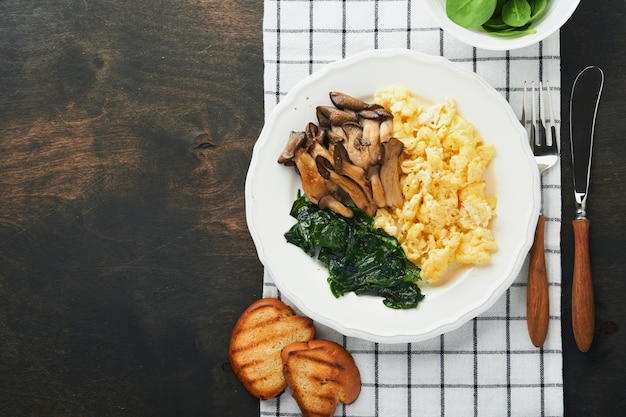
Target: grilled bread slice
[(261, 333), (320, 374)]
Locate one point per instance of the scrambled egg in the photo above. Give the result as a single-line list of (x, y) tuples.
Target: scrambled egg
[(446, 215)]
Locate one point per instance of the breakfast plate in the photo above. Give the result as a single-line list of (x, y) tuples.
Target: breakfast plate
[(466, 292)]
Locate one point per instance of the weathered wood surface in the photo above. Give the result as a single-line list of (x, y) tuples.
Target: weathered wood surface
[(126, 129), (126, 132), (595, 381)]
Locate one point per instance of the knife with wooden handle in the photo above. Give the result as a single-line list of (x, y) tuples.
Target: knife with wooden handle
[(584, 102)]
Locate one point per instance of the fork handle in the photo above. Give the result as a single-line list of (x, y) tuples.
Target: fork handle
[(537, 302), (583, 305)]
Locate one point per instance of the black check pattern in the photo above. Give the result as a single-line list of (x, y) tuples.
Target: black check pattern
[(488, 367)]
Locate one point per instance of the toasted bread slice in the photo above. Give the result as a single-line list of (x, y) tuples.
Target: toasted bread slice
[(320, 374), (261, 333)]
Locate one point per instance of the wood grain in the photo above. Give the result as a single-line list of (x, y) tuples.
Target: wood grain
[(583, 304), (127, 129), (537, 300)]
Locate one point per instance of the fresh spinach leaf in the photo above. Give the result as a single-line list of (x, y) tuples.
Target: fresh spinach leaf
[(470, 13), (509, 31), (537, 6), (498, 11), (506, 18), (359, 257), (496, 23), (516, 13)]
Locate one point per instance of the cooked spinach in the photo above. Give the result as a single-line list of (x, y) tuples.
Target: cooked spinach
[(359, 257), (500, 17)]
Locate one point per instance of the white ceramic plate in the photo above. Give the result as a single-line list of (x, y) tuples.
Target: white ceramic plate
[(512, 176), (555, 15)]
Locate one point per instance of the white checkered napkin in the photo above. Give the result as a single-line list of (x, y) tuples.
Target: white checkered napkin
[(488, 367)]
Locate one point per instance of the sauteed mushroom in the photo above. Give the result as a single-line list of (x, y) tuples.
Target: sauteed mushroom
[(354, 134), (344, 101), (296, 140), (313, 184), (349, 158), (370, 121), (330, 202), (389, 174), (356, 193), (329, 115)]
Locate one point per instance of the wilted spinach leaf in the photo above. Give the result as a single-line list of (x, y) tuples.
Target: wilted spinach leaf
[(359, 258)]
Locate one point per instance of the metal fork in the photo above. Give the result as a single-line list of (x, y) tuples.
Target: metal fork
[(546, 155)]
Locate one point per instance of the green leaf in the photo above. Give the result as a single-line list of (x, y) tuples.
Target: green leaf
[(470, 13), (359, 258), (516, 13), (537, 6), (498, 11), (509, 31)]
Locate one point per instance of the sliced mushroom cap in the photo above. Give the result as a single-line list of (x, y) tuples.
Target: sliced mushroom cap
[(386, 130), (386, 124), (343, 166), (363, 146), (313, 184), (354, 191), (318, 150), (330, 202), (353, 130), (328, 116), (383, 113), (354, 133), (338, 132), (332, 139), (369, 114), (389, 173), (311, 131), (370, 120), (344, 101), (296, 140)]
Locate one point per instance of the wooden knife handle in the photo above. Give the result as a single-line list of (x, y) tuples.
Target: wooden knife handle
[(583, 306), (537, 301)]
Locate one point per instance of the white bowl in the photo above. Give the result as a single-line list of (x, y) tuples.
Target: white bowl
[(512, 177), (555, 15)]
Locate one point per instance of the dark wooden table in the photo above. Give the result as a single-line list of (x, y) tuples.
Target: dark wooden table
[(126, 129)]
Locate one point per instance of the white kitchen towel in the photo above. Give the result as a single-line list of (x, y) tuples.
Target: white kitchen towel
[(488, 367)]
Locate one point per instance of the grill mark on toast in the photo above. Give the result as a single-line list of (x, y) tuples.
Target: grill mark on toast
[(312, 357), (320, 374), (258, 338), (274, 337)]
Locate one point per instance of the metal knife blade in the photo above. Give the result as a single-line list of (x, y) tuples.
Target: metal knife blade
[(583, 109), (584, 102)]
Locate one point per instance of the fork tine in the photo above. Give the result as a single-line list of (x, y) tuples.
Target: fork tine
[(542, 119), (554, 140), (542, 133), (523, 119), (533, 117)]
